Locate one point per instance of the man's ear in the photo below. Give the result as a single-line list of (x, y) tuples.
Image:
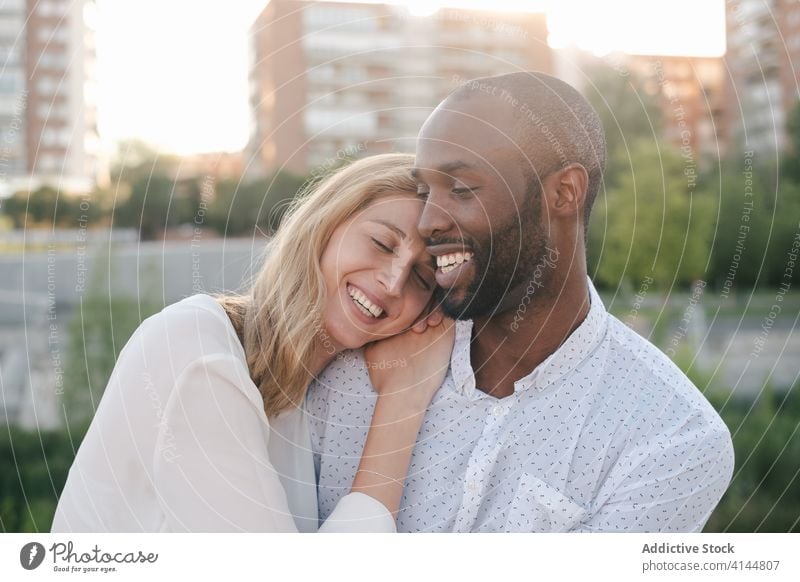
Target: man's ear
[(566, 190)]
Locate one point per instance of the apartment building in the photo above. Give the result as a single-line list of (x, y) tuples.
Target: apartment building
[(331, 80), (48, 96)]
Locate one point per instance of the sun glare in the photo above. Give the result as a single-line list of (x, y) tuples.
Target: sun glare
[(422, 8), (185, 89)]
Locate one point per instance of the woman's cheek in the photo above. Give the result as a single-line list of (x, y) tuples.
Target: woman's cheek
[(419, 305)]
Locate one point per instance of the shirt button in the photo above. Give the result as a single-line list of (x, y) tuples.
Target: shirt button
[(472, 485), (497, 411)]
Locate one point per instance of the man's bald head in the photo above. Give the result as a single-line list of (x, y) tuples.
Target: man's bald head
[(554, 125)]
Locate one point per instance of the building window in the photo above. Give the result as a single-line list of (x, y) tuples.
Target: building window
[(339, 18), (51, 111), (9, 56), (51, 8), (56, 137), (52, 60), (47, 86), (10, 27), (50, 35), (48, 163), (335, 123), (11, 84)]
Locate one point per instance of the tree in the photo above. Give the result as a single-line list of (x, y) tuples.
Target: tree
[(148, 206), (758, 222), (651, 223), (241, 209), (38, 208), (145, 179), (790, 160), (135, 159), (629, 114)]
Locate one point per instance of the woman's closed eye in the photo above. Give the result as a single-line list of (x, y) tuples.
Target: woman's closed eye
[(421, 280), (383, 247), (462, 191), (417, 272)]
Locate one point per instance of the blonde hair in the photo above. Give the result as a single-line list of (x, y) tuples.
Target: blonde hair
[(279, 317)]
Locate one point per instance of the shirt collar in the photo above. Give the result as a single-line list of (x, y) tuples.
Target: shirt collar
[(582, 342)]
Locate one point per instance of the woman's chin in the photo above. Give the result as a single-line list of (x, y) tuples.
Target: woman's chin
[(346, 335), (359, 342), (346, 338)]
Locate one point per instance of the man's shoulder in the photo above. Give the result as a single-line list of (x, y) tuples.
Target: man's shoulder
[(348, 371), (631, 353), (659, 386), (340, 394)]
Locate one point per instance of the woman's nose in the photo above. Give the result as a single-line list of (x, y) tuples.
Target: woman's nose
[(394, 275)]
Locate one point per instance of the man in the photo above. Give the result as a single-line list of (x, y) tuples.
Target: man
[(553, 416)]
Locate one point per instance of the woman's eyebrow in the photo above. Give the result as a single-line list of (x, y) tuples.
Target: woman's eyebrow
[(390, 226)]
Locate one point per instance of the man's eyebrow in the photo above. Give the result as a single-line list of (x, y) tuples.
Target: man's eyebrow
[(447, 168), (390, 226)]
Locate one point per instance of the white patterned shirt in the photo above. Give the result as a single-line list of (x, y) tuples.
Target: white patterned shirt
[(606, 434)]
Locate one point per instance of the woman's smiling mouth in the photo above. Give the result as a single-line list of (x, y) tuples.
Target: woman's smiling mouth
[(363, 303)]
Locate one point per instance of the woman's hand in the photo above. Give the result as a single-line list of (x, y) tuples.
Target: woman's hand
[(431, 317), (411, 366), (406, 370)]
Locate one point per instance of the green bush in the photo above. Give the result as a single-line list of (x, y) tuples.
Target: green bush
[(33, 470), (764, 495)]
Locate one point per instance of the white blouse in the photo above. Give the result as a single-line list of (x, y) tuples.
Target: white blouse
[(180, 442)]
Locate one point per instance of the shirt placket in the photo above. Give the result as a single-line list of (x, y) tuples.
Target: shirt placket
[(480, 464)]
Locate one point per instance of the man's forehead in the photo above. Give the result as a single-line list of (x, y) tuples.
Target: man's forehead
[(467, 124), (449, 162), (468, 133), (450, 157)]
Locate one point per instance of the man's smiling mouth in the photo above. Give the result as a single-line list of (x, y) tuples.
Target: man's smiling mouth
[(447, 263)]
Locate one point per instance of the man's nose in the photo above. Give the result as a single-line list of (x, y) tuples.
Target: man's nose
[(433, 219)]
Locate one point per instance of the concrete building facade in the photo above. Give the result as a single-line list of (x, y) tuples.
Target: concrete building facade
[(331, 80), (48, 97)]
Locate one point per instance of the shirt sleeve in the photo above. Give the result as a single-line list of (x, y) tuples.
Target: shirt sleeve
[(358, 512), (212, 470), (670, 486)]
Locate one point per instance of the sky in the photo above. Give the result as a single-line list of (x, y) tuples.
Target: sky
[(173, 73)]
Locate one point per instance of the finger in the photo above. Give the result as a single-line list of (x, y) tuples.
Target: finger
[(435, 318), (420, 326)]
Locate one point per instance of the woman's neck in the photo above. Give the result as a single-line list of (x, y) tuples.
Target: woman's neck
[(322, 357)]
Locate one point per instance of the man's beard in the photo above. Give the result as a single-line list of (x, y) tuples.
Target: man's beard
[(511, 257)]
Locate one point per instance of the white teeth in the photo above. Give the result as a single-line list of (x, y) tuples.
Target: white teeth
[(361, 301), (452, 260)]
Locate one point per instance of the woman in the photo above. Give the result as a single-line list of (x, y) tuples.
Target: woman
[(201, 426)]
